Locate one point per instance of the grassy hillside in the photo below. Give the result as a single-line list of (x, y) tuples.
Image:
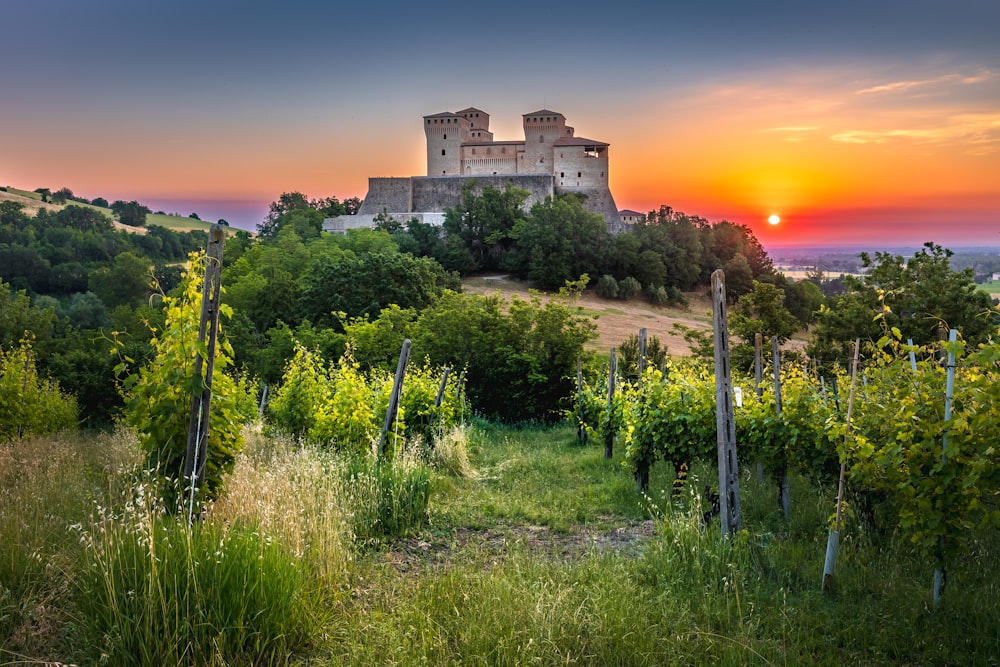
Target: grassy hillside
[(32, 202)]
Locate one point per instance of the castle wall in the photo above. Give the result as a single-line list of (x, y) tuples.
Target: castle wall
[(574, 168), (393, 194), (600, 200), (436, 193)]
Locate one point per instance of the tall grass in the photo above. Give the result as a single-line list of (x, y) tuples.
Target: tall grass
[(154, 591), (45, 487), (296, 496)]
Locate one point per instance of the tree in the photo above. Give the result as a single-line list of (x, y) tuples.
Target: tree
[(762, 311), (560, 241), (127, 283), (918, 296), (287, 202), (45, 193), (130, 213), (485, 224), (100, 201)]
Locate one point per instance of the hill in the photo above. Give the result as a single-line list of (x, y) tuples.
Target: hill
[(32, 202), (616, 319)]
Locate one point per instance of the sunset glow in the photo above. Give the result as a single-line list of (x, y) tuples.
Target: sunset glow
[(894, 139)]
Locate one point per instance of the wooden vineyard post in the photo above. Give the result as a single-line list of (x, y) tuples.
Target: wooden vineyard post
[(439, 400), (833, 539), (609, 435), (642, 355), (397, 388), (725, 422), (581, 430), (786, 502), (197, 442), (758, 376), (939, 572)]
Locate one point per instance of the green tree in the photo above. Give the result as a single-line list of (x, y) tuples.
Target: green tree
[(127, 282), (919, 296), (130, 213), (485, 225), (560, 241)]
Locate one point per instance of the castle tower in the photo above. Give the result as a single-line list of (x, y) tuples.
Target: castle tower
[(446, 132), (541, 131)]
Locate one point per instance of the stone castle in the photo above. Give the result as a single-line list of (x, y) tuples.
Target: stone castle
[(550, 160)]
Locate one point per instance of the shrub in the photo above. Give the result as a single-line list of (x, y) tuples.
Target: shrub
[(628, 287), (607, 287), (657, 295), (30, 404), (158, 398)]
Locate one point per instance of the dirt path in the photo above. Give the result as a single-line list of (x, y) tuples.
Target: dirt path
[(440, 549)]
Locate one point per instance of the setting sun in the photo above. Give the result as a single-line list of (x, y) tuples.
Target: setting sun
[(774, 219)]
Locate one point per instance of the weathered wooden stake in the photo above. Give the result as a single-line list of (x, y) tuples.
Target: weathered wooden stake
[(609, 436), (393, 409), (940, 575), (642, 355), (725, 422), (785, 499), (581, 431), (198, 425), (758, 376), (438, 401), (833, 539)]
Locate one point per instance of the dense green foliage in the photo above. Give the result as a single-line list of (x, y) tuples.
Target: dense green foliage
[(909, 468), (29, 404), (158, 396), (920, 296)]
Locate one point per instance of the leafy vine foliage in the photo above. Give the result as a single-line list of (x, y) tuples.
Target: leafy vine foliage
[(935, 479), (29, 404), (158, 396), (339, 406)]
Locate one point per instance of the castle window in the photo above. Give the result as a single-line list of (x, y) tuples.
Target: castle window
[(446, 136), (579, 174), (541, 138), (473, 151), (562, 175), (442, 151)]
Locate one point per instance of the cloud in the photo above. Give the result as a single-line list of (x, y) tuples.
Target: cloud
[(981, 130), (895, 86)]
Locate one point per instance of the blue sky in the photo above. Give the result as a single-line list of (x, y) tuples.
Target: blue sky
[(722, 109)]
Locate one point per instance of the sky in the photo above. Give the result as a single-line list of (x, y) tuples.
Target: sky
[(867, 124)]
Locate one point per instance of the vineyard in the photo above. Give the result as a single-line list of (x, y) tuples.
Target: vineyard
[(920, 453), (350, 515)]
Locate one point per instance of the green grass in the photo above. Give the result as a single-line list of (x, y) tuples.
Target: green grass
[(991, 287), (535, 551)]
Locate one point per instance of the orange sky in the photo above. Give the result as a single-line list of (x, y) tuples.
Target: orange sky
[(860, 122)]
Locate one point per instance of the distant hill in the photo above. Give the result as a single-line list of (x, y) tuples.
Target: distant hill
[(32, 202)]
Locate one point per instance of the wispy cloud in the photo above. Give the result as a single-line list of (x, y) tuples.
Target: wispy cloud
[(896, 86), (981, 130)]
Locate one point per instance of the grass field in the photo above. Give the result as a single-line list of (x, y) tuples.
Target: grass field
[(542, 552), (991, 287)]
